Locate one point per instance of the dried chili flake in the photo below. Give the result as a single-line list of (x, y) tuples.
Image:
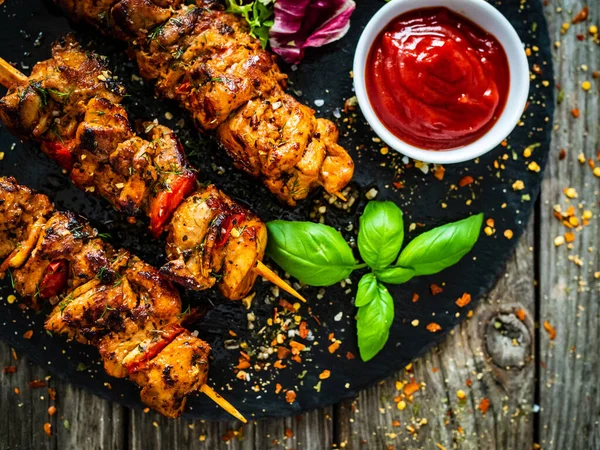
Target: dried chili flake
[(520, 313), (333, 347), (575, 112), (52, 410), (279, 365), (325, 374), (562, 154), (415, 297), (303, 330), (28, 334), (464, 300), (465, 181), (350, 355), (9, 369), (48, 429), (439, 172), (52, 393), (290, 396), (278, 388), (283, 352), (37, 384), (484, 405), (581, 15), (550, 330), (289, 433), (433, 327), (435, 289), (410, 388)]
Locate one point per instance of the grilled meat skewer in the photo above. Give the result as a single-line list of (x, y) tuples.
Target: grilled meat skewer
[(103, 297), (71, 105), (206, 59)]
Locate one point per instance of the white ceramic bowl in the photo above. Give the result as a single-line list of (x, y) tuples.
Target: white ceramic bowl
[(492, 21)]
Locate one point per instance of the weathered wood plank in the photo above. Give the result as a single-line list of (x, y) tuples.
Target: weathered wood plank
[(93, 423), (490, 356), (312, 431), (569, 364)]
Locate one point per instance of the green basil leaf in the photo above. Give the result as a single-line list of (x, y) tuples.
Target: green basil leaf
[(381, 234), (441, 247), (367, 289), (313, 253), (373, 323), (395, 274)]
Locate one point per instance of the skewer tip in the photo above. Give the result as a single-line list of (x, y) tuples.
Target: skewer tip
[(210, 392), (341, 196), (267, 273), (9, 76)]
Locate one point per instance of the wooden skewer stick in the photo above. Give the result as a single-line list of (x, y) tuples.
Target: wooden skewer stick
[(267, 273), (341, 196), (210, 392), (9, 76)]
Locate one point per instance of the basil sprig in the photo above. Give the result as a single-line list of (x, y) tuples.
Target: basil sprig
[(318, 255)]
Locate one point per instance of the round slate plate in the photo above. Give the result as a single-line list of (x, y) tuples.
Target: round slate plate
[(27, 28)]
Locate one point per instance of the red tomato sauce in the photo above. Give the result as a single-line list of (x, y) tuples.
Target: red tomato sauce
[(436, 80)]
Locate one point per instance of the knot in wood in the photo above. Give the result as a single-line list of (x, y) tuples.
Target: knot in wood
[(508, 341)]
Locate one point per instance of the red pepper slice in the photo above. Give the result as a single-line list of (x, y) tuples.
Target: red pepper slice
[(227, 226), (184, 88), (60, 152), (55, 278), (166, 202), (154, 349)]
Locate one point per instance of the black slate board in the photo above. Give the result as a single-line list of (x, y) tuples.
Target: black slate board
[(28, 27)]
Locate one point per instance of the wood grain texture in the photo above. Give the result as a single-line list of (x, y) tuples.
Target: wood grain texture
[(569, 365)]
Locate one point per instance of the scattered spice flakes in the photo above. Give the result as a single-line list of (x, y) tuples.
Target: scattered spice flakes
[(520, 313), (435, 289), (48, 429), (464, 300), (562, 154), (575, 113), (550, 330), (415, 297), (289, 433), (9, 369), (534, 167), (52, 393), (325, 374), (439, 171), (37, 384), (484, 405), (570, 192), (518, 185), (28, 334), (52, 410), (278, 388), (508, 234), (433, 327), (290, 396)]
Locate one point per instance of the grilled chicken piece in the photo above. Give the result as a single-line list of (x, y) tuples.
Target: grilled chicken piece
[(21, 212), (206, 59), (180, 369), (108, 299), (212, 239), (50, 106)]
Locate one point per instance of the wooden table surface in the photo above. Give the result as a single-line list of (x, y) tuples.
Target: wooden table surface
[(542, 393)]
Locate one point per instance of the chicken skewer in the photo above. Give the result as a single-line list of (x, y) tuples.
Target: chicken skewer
[(104, 297), (205, 59), (71, 105)]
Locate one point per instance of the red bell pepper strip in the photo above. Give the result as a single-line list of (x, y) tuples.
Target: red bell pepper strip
[(166, 201), (227, 226), (60, 152), (55, 278), (167, 336)]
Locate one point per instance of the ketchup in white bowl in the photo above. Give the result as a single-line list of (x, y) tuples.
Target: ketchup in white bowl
[(436, 80)]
